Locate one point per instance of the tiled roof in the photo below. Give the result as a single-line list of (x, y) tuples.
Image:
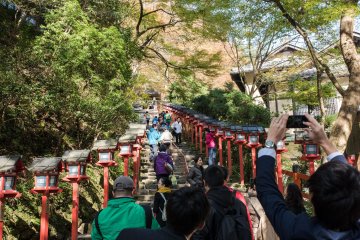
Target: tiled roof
[(45, 164), (76, 155), (105, 144), (127, 138), (8, 163)]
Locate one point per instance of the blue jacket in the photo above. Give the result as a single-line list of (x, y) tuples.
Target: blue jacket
[(286, 224), (153, 136)]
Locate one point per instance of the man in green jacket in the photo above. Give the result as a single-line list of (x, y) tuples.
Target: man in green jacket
[(122, 212)]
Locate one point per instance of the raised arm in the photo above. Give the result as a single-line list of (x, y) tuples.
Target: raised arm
[(317, 135)]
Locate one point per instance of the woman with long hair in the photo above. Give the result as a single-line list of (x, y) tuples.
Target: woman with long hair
[(294, 200)]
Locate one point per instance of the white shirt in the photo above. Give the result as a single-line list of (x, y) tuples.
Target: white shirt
[(177, 126), (166, 136)]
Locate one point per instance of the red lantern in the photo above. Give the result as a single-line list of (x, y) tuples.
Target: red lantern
[(105, 149), (76, 161), (46, 171)]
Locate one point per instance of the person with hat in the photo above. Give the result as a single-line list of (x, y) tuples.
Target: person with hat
[(122, 212)]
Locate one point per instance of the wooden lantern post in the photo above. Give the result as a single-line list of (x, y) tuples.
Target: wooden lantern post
[(240, 140), (105, 150), (46, 175), (10, 167), (280, 148), (75, 163)]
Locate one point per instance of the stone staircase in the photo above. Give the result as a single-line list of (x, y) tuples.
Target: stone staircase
[(147, 183)]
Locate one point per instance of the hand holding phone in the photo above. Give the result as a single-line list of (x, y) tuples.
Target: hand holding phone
[(296, 121)]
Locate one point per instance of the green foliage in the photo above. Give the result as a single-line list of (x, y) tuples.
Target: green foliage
[(329, 120), (184, 90), (305, 91), (232, 106), (70, 84), (61, 86)]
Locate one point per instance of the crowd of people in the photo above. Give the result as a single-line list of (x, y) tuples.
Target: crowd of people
[(211, 210)]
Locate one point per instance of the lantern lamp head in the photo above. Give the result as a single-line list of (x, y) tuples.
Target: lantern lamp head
[(125, 150), (228, 134), (241, 137), (106, 156), (46, 171), (280, 145), (311, 150), (76, 161), (253, 139), (10, 166)]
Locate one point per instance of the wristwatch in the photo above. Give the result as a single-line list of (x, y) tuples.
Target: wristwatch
[(269, 144)]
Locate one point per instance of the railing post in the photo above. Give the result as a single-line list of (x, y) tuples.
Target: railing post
[(220, 151), (229, 160), (241, 161)]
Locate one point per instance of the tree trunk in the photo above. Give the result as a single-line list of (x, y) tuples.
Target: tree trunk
[(320, 97), (351, 100)]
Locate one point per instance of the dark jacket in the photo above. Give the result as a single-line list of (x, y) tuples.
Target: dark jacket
[(159, 163), (195, 176), (221, 197), (165, 233), (286, 224), (159, 204)]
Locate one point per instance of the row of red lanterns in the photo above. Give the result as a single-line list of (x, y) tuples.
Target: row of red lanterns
[(240, 135), (46, 173)]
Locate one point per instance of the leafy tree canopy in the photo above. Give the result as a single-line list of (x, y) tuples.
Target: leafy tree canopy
[(232, 106)]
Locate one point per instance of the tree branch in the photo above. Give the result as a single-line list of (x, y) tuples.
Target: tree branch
[(163, 26), (165, 61), (149, 39), (316, 60), (140, 18), (157, 10)]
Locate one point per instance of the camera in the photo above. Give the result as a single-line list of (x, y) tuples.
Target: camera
[(296, 121)]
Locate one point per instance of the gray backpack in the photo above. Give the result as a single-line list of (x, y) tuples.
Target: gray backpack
[(163, 212)]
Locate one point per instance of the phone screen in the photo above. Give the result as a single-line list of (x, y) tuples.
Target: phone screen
[(296, 121)]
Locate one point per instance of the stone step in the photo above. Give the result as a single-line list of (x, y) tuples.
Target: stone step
[(150, 177), (147, 192), (147, 198)]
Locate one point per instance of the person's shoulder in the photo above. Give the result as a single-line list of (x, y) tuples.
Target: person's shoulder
[(135, 234), (146, 234)]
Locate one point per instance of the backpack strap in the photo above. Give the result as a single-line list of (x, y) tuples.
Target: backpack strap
[(163, 196), (148, 215), (97, 223)]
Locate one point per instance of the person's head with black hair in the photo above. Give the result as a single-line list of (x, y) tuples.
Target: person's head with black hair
[(162, 148), (293, 198), (187, 210), (207, 130), (198, 161), (335, 195), (226, 173), (214, 176), (164, 182)]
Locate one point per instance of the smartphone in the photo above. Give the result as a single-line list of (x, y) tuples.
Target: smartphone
[(296, 121)]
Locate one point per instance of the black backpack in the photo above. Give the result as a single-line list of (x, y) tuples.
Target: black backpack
[(234, 223)]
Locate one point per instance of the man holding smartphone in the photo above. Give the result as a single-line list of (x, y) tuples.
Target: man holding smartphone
[(334, 190)]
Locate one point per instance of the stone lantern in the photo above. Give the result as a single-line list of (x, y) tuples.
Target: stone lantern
[(125, 144), (75, 163), (105, 150), (10, 167), (46, 174)]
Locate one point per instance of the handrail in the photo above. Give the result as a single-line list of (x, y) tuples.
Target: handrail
[(186, 165)]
